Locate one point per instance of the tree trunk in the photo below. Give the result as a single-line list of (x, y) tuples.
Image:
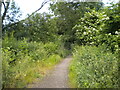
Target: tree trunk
[(0, 46), (0, 19)]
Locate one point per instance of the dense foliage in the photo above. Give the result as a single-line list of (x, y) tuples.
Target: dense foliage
[(93, 67), (22, 60), (40, 41), (68, 13), (97, 67), (92, 29)]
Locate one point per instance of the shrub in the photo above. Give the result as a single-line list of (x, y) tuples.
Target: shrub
[(98, 28), (92, 67), (23, 61)]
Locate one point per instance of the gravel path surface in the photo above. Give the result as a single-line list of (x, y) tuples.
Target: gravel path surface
[(58, 77)]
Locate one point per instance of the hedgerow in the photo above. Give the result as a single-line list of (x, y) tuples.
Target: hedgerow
[(92, 67)]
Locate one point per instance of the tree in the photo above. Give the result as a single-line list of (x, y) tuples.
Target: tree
[(40, 27), (68, 14), (0, 20), (99, 28), (10, 15), (113, 24), (6, 7), (90, 27), (14, 19)]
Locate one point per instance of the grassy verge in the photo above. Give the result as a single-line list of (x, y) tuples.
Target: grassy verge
[(24, 61), (93, 67)]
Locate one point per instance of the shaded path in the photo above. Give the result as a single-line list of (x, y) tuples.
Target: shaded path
[(58, 78)]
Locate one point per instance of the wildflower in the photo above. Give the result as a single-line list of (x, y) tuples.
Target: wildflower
[(107, 18), (116, 46), (116, 32), (93, 28), (90, 37), (105, 15), (85, 27), (84, 33), (109, 34)]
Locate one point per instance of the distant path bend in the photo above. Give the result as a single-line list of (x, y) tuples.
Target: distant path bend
[(58, 78)]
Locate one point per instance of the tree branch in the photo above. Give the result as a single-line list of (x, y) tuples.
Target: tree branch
[(3, 4), (6, 8), (39, 8), (9, 25)]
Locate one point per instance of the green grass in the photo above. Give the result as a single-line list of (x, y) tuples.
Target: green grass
[(24, 62), (93, 67)]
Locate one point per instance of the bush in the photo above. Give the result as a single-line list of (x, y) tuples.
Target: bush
[(92, 67), (98, 28), (23, 61)]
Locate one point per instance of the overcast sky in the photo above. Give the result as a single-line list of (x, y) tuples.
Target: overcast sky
[(29, 6)]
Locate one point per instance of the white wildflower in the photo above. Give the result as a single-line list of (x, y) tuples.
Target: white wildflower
[(84, 33), (116, 32), (109, 34), (89, 31), (104, 15), (93, 28), (90, 37), (116, 46), (107, 18), (85, 27)]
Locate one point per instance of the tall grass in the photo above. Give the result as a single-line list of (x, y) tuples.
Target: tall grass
[(94, 67), (24, 61)]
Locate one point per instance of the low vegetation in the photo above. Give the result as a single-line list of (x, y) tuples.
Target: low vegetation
[(94, 67), (24, 61), (96, 58), (89, 31)]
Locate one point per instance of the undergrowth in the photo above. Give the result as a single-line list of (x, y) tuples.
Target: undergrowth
[(93, 67), (24, 61)]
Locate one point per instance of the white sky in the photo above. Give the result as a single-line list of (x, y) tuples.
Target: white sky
[(29, 6)]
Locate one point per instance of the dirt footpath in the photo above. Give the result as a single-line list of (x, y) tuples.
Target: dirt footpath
[(58, 77)]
